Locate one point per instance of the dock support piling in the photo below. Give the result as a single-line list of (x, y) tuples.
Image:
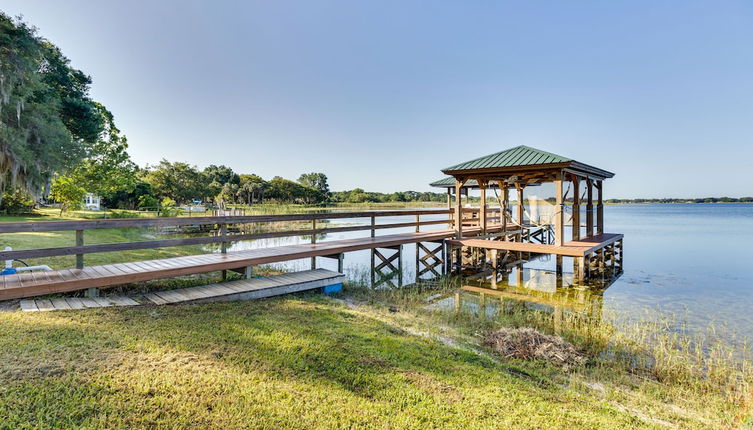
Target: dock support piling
[(431, 259), (387, 269)]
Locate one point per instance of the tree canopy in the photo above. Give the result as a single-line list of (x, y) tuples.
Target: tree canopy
[(48, 120)]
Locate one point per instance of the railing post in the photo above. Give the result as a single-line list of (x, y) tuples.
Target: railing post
[(79, 242), (373, 223), (223, 234), (313, 241), (223, 245), (91, 292), (418, 225)]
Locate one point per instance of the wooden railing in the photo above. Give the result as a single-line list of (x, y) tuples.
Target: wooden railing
[(219, 227)]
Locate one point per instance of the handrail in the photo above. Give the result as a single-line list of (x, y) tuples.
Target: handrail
[(221, 223), (130, 246), (42, 226)]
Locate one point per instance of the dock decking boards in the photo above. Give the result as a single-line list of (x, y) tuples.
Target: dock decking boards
[(575, 248), (244, 289)]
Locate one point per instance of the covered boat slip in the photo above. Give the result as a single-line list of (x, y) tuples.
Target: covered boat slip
[(521, 167)]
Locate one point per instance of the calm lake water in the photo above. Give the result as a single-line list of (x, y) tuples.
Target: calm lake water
[(693, 261)]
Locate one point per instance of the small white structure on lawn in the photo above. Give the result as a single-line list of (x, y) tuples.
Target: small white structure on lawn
[(91, 202)]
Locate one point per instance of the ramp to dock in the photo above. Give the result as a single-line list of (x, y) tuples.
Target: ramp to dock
[(243, 289)]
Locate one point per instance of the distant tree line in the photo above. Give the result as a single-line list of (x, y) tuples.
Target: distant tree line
[(696, 200)]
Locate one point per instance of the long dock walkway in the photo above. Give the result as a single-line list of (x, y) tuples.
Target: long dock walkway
[(31, 284)]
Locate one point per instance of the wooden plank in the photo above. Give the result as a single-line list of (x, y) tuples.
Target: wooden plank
[(123, 301), (157, 300), (75, 303), (60, 304), (103, 302), (44, 305), (90, 303), (28, 306)]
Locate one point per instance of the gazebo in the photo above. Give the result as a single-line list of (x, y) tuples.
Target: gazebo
[(520, 167)]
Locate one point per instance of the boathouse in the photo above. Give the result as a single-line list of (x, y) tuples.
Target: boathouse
[(515, 170)]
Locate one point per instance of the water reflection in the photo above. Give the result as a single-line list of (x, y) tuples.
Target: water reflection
[(520, 289)]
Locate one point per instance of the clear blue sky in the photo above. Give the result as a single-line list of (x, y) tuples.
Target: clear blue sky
[(383, 94)]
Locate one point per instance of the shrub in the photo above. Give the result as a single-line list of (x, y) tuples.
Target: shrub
[(67, 192), (18, 201)]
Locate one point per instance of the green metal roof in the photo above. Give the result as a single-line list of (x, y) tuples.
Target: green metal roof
[(519, 156), (450, 182)]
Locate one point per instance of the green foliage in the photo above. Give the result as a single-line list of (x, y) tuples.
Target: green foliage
[(147, 201), (221, 175), (17, 201), (142, 195), (179, 181), (107, 168), (66, 191), (168, 208), (228, 193), (167, 202), (285, 190), (47, 118), (317, 181), (252, 188)]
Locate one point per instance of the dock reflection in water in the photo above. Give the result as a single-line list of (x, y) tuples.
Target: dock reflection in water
[(526, 289)]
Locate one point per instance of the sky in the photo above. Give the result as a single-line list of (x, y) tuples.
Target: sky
[(383, 94)]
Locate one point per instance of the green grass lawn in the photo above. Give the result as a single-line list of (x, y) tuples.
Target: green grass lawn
[(294, 362)]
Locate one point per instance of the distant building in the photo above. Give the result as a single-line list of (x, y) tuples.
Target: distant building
[(91, 202)]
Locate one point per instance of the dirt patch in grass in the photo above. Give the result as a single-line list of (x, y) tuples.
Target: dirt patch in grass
[(529, 344), (432, 386)]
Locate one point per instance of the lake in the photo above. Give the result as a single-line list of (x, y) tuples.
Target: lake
[(692, 261)]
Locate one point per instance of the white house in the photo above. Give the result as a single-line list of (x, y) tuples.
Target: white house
[(91, 202)]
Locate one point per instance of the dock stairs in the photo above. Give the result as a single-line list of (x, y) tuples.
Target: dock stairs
[(242, 289)]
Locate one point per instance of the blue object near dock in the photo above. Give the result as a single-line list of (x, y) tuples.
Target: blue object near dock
[(8, 271), (332, 289)]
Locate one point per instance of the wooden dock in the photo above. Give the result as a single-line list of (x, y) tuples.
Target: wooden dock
[(574, 248), (30, 284), (244, 289)]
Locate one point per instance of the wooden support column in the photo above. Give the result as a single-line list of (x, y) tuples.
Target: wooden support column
[(589, 209), (458, 209), (450, 216), (505, 204), (521, 207), (482, 206), (600, 208), (559, 212), (576, 208)]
